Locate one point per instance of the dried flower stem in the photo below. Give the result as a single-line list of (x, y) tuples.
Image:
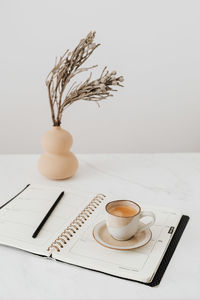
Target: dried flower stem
[(66, 68)]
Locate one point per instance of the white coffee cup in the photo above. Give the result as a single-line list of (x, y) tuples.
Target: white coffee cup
[(123, 219)]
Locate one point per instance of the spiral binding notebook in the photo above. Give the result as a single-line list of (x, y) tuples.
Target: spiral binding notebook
[(67, 234)]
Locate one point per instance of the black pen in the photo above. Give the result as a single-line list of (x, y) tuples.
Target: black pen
[(47, 216)]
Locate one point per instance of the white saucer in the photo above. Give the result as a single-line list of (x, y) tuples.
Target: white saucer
[(101, 235)]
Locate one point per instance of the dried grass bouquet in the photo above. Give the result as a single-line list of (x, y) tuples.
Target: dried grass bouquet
[(68, 66)]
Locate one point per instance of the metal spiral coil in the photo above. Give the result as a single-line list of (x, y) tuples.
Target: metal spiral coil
[(74, 226)]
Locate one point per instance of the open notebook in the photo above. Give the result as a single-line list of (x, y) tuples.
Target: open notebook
[(67, 234)]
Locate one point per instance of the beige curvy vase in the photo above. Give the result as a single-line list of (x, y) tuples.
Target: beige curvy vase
[(57, 162)]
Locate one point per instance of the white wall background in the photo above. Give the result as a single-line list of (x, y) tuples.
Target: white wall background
[(154, 44)]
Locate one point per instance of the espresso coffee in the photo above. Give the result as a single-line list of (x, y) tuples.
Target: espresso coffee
[(123, 211), (123, 219)]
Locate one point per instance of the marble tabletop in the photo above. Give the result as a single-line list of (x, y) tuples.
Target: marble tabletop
[(162, 179)]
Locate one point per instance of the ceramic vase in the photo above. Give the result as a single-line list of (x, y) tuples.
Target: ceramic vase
[(57, 161)]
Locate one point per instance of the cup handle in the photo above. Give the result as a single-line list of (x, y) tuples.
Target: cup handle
[(147, 214)]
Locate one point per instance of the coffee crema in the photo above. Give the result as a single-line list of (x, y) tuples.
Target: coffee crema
[(123, 211)]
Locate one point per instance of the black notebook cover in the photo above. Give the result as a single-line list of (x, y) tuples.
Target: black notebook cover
[(170, 251)]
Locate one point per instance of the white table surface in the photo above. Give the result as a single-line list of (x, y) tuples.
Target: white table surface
[(163, 179)]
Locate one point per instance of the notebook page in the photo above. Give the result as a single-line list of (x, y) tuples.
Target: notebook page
[(138, 264), (20, 218)]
